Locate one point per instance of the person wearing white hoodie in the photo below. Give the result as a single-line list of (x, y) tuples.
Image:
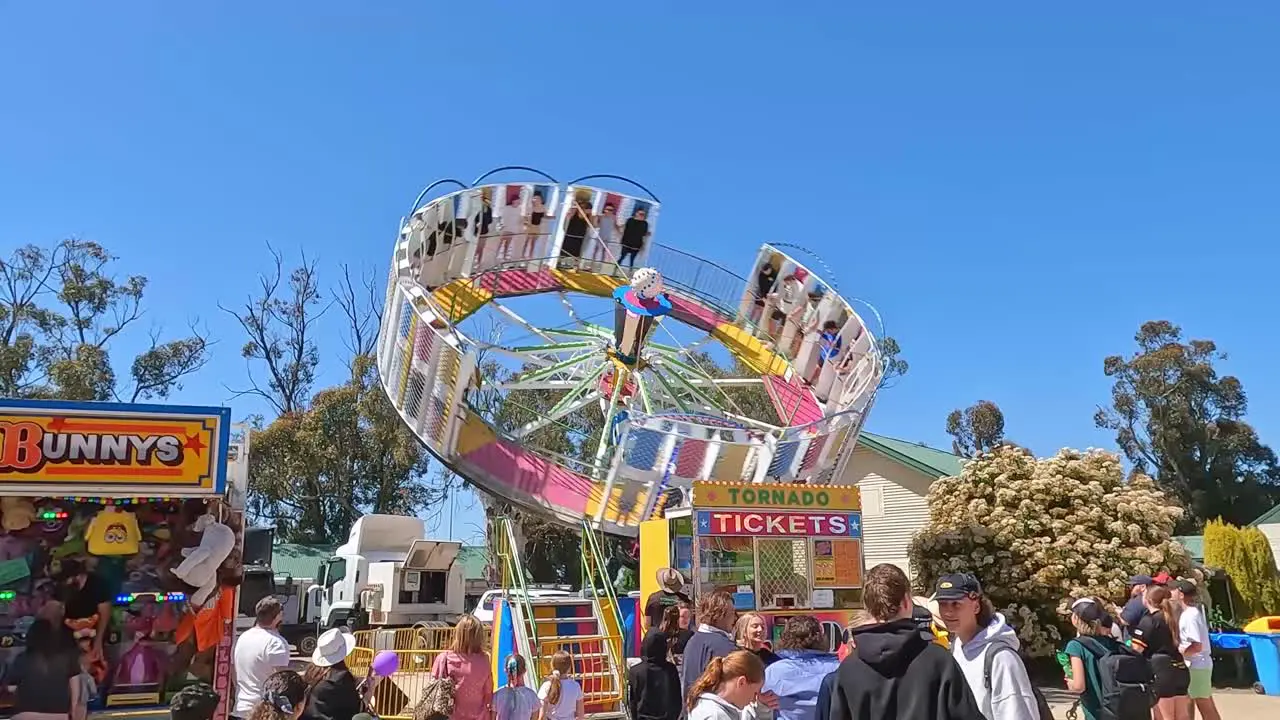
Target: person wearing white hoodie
[(728, 685), (977, 631)]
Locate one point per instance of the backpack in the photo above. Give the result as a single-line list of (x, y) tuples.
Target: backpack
[(1127, 691), (437, 699), (1042, 706)]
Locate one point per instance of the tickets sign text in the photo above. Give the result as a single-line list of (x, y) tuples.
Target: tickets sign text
[(779, 524)]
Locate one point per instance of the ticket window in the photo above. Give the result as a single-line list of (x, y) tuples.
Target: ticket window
[(782, 574)]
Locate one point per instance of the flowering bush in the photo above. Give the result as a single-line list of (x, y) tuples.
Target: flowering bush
[(1038, 533)]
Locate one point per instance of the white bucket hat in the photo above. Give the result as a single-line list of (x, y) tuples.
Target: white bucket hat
[(332, 647)]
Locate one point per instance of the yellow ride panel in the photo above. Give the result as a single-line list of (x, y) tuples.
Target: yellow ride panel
[(613, 511), (473, 435), (750, 349), (459, 299), (588, 283)]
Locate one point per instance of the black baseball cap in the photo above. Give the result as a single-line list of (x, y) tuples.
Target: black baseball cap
[(1186, 587), (1089, 611), (957, 587)]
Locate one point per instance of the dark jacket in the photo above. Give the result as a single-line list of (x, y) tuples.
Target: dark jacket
[(767, 656), (653, 685), (895, 672), (825, 691), (336, 697), (698, 653)]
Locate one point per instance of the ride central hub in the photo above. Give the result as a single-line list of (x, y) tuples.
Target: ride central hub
[(637, 308)]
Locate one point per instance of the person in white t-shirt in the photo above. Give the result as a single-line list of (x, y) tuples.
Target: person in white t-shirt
[(1193, 634), (561, 695), (515, 700), (511, 225), (259, 652)]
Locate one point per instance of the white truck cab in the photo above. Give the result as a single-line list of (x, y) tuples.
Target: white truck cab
[(388, 574)]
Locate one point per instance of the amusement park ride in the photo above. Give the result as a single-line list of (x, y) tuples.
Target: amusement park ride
[(514, 314)]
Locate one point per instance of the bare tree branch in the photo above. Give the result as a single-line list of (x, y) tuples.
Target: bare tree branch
[(279, 323), (363, 310)]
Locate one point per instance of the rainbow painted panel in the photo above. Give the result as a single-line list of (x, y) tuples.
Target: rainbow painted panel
[(406, 316), (782, 460), (423, 345), (813, 453), (690, 457)]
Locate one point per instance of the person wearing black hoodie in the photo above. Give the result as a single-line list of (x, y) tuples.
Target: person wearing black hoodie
[(894, 672), (653, 685)]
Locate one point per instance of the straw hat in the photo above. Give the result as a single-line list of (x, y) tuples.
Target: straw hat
[(670, 579), (332, 647)]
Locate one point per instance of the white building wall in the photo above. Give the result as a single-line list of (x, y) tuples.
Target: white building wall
[(894, 505), (1272, 531)]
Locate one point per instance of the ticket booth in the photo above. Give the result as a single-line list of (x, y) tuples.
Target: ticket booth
[(778, 549), (100, 503)]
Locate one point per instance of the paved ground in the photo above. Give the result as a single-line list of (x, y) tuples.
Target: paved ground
[(1232, 704)]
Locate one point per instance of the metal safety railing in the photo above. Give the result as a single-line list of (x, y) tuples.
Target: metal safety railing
[(605, 602), (416, 649), (516, 593)]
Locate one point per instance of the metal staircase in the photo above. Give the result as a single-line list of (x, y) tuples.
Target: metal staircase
[(588, 628)]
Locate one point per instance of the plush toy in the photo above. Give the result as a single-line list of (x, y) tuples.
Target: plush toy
[(18, 513), (140, 665), (12, 548), (199, 569)]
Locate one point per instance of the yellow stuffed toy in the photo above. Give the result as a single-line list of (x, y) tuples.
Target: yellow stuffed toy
[(17, 513)]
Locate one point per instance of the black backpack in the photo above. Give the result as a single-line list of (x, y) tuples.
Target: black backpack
[(1127, 691), (1042, 705)]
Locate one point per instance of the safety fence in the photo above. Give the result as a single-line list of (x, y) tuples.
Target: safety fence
[(416, 649)]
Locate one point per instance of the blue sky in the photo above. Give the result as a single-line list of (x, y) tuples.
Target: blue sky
[(1015, 187)]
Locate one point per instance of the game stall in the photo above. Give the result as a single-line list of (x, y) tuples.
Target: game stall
[(779, 549), (117, 521)]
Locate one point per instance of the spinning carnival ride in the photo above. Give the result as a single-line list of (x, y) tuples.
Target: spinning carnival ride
[(531, 362)]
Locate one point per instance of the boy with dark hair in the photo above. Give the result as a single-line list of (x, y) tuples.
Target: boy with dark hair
[(194, 702), (894, 671)]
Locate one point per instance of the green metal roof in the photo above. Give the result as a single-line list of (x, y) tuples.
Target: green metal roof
[(473, 559), (1194, 545), (302, 560), (930, 461), (1270, 517)]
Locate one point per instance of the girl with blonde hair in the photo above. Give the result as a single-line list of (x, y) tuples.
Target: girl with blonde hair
[(751, 634), (467, 664), (1156, 637), (729, 684), (561, 694), (1093, 642)]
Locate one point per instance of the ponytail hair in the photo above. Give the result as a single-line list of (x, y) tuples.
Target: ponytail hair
[(561, 665), (1160, 598), (516, 667), (739, 663), (670, 626), (282, 694)]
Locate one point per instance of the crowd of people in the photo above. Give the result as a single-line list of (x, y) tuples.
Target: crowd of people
[(1152, 662)]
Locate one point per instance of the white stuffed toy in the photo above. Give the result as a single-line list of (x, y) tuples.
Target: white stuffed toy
[(199, 569)]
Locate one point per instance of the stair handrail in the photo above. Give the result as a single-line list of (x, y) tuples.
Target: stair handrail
[(514, 580), (592, 556), (597, 556)]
